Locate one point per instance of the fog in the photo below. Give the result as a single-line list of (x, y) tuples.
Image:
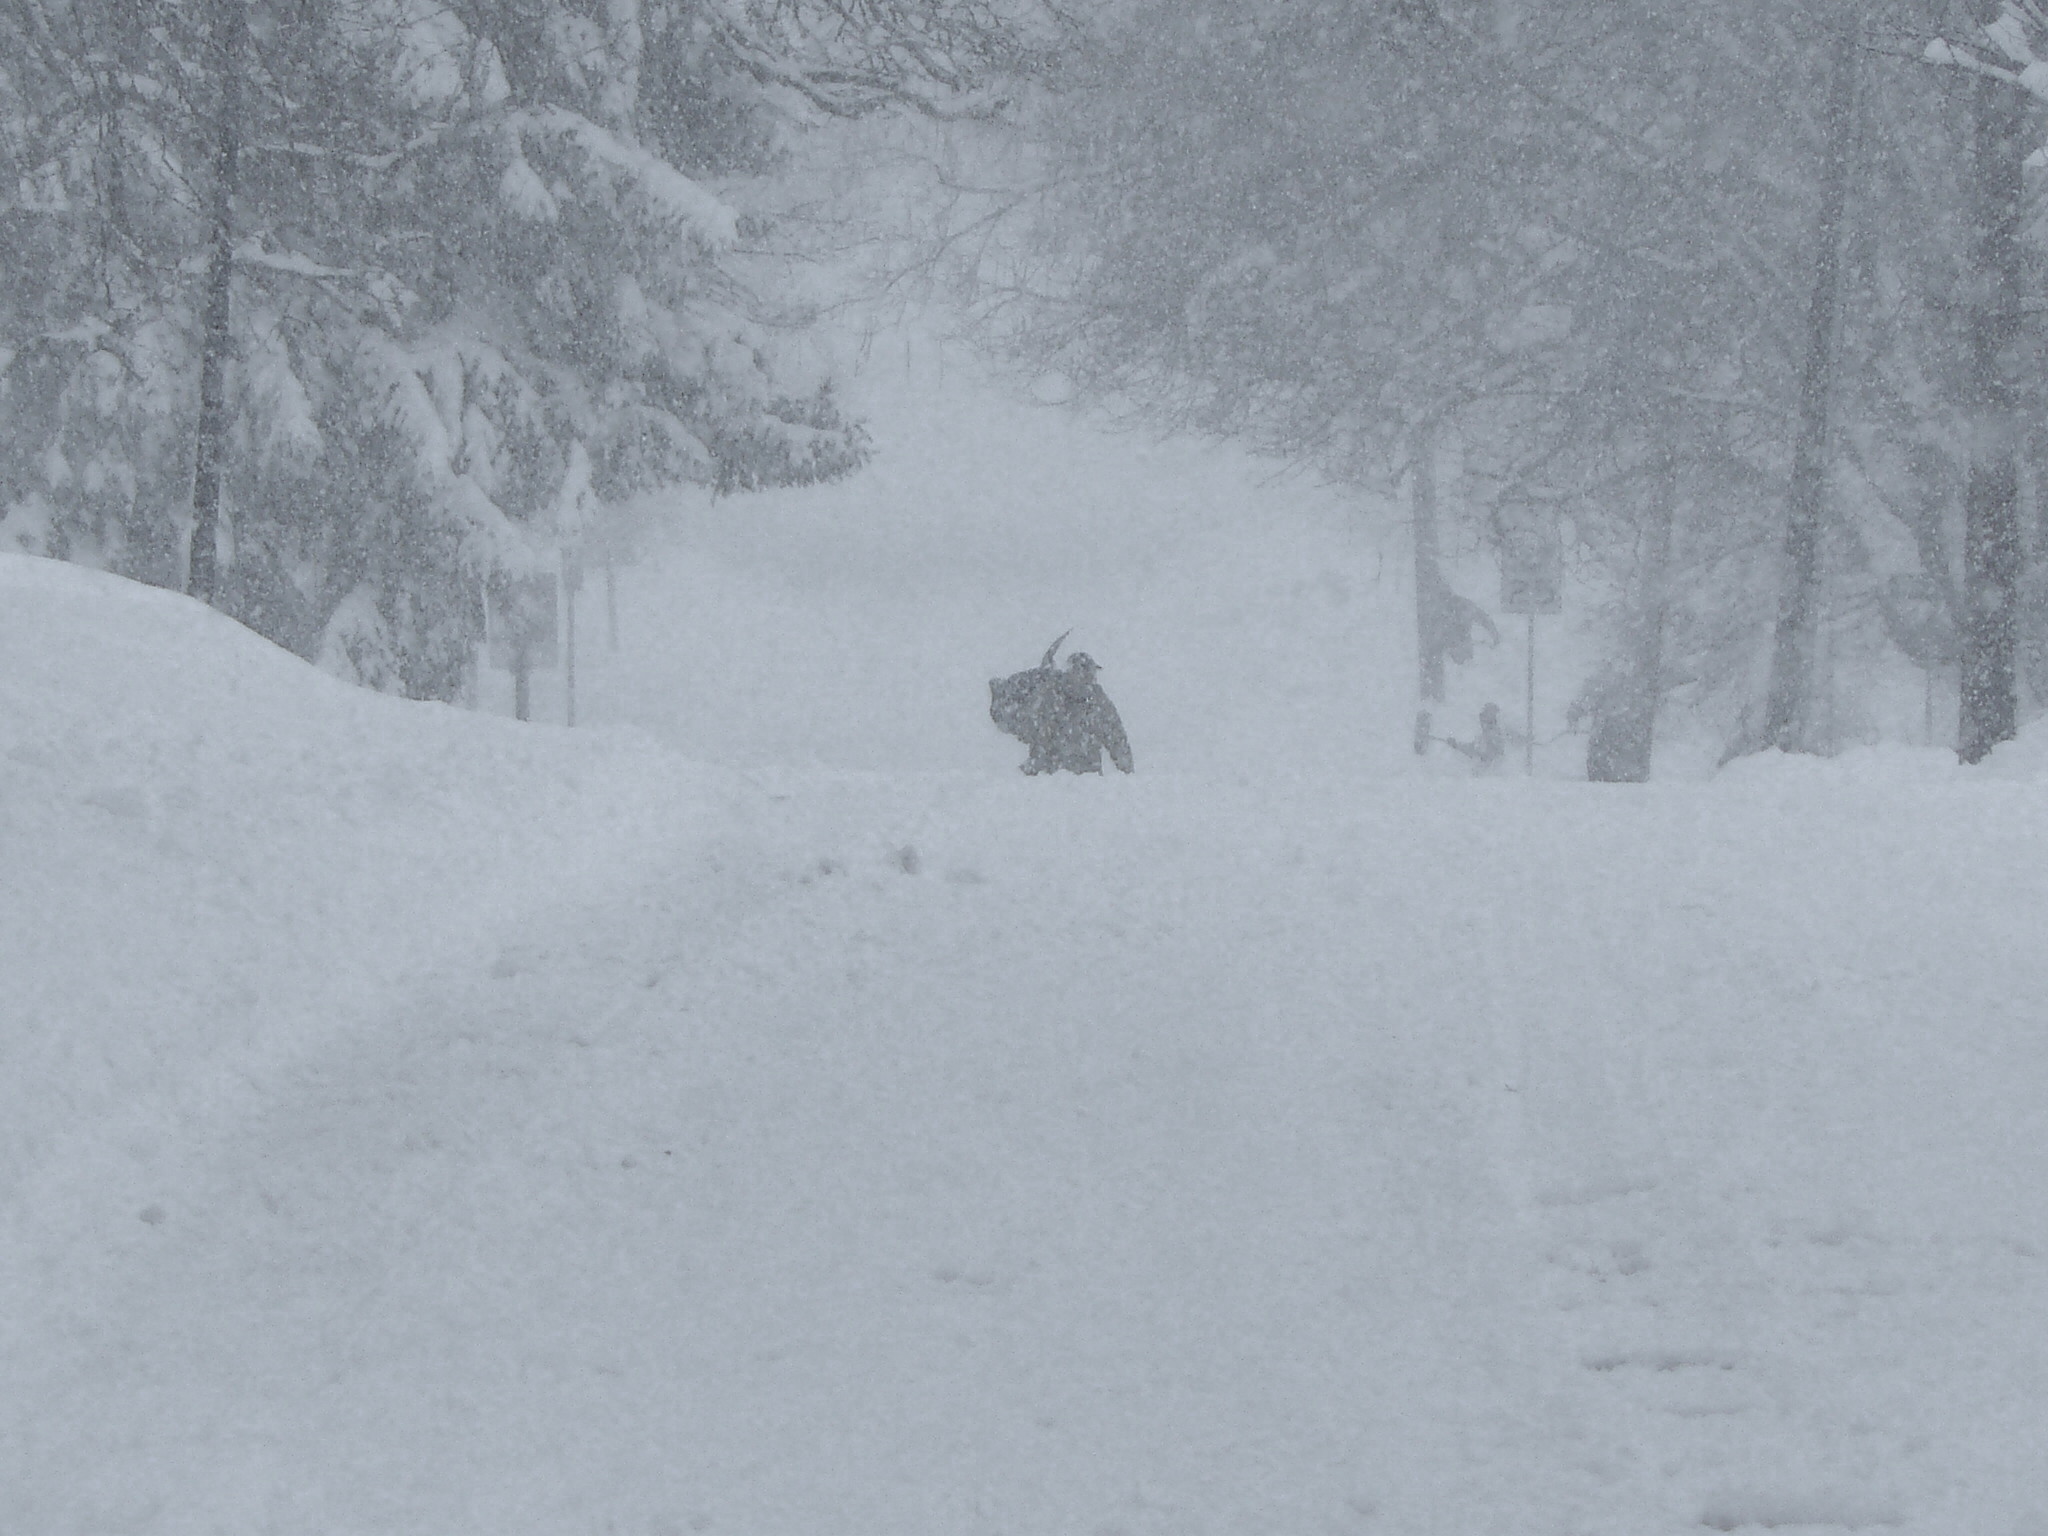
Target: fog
[(982, 766)]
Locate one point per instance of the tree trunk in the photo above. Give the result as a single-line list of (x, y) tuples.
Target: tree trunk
[(1992, 550), (1623, 736), (1429, 576), (1788, 721), (230, 27)]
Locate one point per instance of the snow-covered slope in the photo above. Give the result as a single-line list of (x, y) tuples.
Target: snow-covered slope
[(423, 1124), (214, 852)]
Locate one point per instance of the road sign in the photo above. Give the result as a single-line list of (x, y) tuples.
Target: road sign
[(522, 622), (1916, 615), (1531, 562), (1531, 582)]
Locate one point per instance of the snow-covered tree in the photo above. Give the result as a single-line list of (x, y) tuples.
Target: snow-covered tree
[(1565, 232), (1789, 703), (2000, 43), (411, 290)]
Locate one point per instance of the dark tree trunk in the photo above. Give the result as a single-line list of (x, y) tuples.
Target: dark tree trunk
[(1993, 554), (230, 26), (1623, 735), (1788, 711)]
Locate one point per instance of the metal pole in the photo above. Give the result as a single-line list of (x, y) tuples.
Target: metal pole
[(569, 648), (1529, 714), (611, 599)]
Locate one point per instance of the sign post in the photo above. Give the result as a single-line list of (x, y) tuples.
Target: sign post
[(572, 583), (1531, 582), (522, 631), (1916, 615), (611, 598), (1529, 707)]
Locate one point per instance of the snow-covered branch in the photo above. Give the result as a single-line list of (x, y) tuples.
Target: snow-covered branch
[(2005, 50), (705, 218)]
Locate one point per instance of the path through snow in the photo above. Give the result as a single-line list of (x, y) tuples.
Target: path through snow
[(947, 1154)]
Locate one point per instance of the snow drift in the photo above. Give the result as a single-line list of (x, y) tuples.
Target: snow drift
[(216, 854)]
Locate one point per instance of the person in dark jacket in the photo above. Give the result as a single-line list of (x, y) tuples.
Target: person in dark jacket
[(1489, 749), (1062, 715), (1085, 724)]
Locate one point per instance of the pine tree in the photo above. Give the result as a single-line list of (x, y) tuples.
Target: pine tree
[(406, 294)]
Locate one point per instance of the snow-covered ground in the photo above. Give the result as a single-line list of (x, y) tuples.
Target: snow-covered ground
[(769, 1114)]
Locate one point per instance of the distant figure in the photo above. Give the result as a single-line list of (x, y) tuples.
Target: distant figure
[(1063, 716), (1489, 749), (1024, 703), (1448, 622), (1621, 720), (1086, 724)]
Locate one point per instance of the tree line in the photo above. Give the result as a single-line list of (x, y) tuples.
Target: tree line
[(1735, 294), (332, 312)]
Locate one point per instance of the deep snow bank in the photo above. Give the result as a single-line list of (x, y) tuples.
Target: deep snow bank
[(215, 854), (948, 1153), (420, 1123)]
